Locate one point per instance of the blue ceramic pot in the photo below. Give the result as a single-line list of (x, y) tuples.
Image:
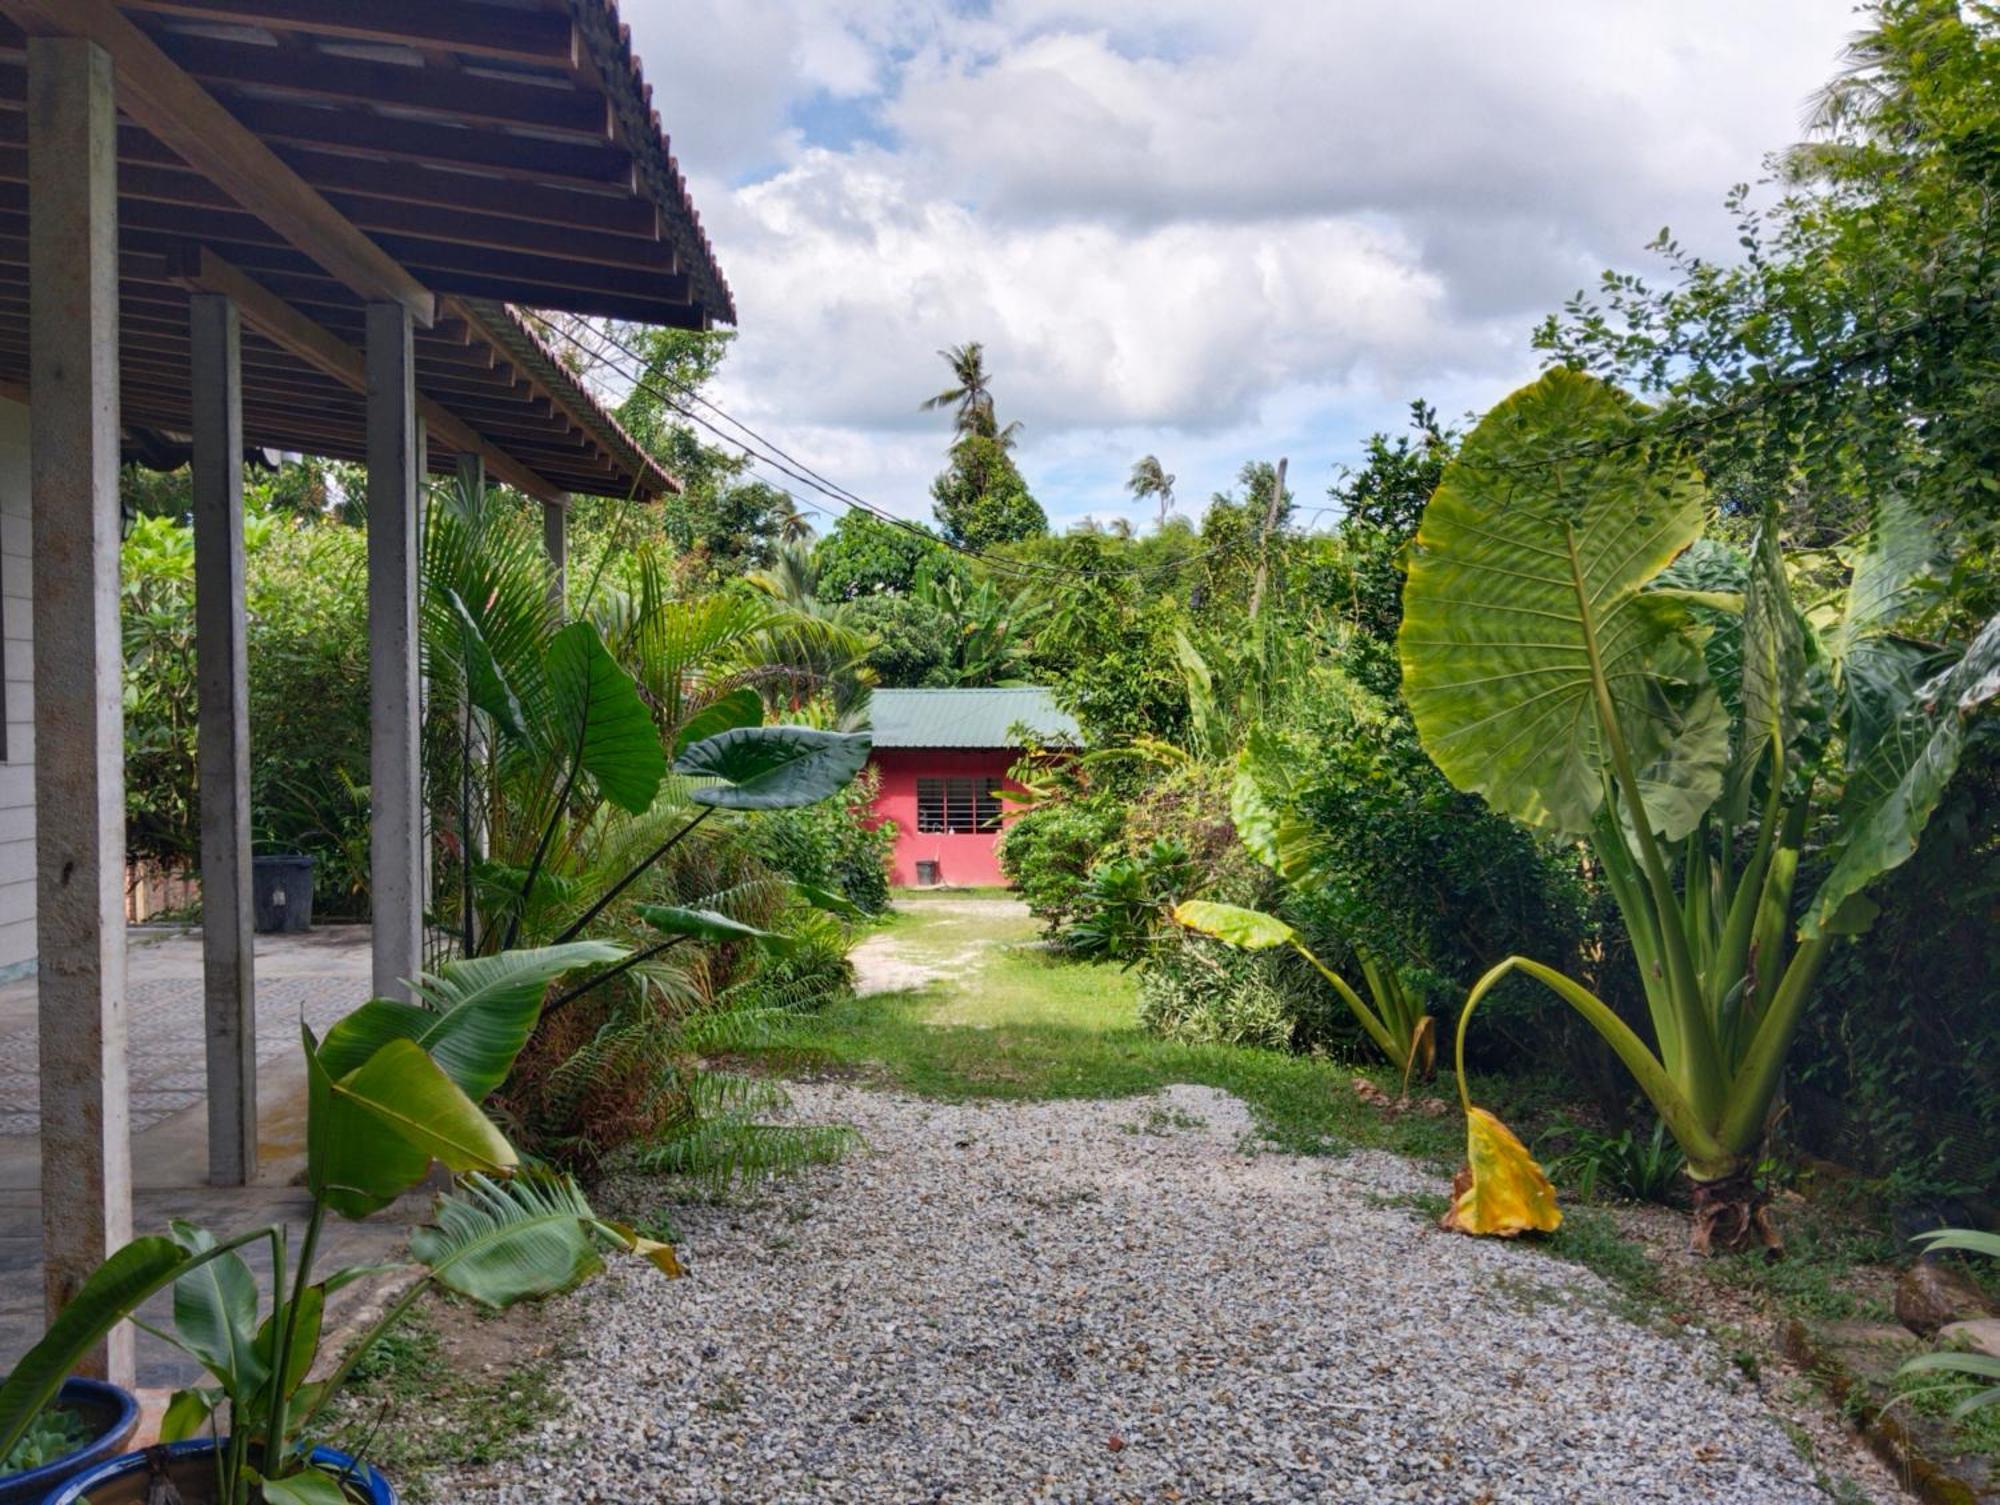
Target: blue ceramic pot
[(112, 1415), (191, 1465)]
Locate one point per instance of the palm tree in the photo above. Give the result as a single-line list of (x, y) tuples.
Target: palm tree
[(1149, 479), (968, 392), (971, 396)]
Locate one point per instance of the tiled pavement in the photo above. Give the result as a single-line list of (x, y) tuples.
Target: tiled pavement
[(318, 977)]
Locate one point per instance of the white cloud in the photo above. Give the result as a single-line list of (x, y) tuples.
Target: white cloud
[(1201, 230)]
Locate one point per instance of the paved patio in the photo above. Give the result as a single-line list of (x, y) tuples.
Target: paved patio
[(318, 977)]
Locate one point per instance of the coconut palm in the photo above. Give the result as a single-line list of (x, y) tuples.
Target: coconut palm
[(1150, 479), (971, 395)]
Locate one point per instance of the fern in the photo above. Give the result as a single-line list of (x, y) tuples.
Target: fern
[(718, 1153)]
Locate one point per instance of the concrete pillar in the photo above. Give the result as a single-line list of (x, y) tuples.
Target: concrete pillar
[(222, 673), (79, 670), (555, 541), (396, 831)]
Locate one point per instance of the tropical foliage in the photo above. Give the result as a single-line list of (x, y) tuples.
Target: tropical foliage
[(393, 1088), (1556, 665)]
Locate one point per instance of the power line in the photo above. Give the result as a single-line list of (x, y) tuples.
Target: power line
[(760, 449)]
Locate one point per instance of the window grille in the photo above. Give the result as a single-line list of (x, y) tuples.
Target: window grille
[(957, 806)]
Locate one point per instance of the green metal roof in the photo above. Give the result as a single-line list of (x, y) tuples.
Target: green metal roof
[(967, 718)]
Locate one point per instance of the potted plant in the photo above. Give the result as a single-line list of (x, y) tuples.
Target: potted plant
[(393, 1087), (87, 1422)]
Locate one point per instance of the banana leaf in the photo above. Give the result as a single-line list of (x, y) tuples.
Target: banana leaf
[(472, 1017)]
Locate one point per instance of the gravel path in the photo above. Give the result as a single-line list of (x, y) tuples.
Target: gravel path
[(1112, 1301)]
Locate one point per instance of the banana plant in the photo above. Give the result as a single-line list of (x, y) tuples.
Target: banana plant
[(1575, 652), (393, 1088), (1396, 1021)]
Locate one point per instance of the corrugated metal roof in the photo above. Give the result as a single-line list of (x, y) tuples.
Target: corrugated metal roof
[(967, 718)]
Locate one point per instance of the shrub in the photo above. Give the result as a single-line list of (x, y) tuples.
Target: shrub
[(1048, 852), (1200, 993), (1124, 902), (839, 846)]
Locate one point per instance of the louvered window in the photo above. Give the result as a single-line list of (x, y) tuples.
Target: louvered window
[(957, 806)]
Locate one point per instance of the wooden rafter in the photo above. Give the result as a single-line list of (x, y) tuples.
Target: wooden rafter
[(287, 328), (160, 95)]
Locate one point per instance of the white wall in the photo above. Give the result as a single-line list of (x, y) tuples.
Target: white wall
[(17, 776)]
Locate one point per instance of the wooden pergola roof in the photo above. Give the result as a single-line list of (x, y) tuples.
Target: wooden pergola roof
[(459, 156)]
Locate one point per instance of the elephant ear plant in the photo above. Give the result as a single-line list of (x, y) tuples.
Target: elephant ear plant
[(1574, 652), (393, 1087)]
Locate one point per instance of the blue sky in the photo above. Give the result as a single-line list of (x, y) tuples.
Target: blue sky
[(1210, 232)]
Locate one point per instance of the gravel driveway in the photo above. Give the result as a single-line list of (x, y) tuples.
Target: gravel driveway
[(1111, 1301)]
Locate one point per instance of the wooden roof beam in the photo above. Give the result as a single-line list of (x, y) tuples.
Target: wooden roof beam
[(522, 36), (291, 330), (159, 95)]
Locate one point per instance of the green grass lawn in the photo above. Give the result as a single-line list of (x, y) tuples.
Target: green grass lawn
[(1015, 1022)]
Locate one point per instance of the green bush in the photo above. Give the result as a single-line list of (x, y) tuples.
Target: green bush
[(912, 640), (1200, 993), (306, 595), (1048, 852), (839, 846)]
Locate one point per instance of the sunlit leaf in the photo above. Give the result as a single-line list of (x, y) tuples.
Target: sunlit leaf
[(705, 925), (499, 1242), (1246, 929), (372, 1134), (1543, 533), (1501, 1191)]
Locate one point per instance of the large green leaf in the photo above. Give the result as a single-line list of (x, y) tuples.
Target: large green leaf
[(215, 1313), (1262, 806), (307, 1487), (114, 1291), (1892, 575), (1246, 929), (485, 685), (474, 1015), (1890, 796), (600, 711), (1894, 571), (372, 1133), (705, 925), (1776, 695), (742, 707), (305, 1341), (773, 767), (499, 1242), (1546, 528)]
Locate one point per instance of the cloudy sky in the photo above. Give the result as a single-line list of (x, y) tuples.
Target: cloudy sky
[(1207, 229)]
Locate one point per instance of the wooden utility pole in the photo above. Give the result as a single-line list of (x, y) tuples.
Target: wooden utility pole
[(1264, 542)]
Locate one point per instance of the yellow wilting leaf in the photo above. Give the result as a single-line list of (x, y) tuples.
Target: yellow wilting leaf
[(659, 1255), (1501, 1191)]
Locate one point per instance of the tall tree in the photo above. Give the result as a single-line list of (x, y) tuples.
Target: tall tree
[(981, 498), (971, 395), (1149, 479)]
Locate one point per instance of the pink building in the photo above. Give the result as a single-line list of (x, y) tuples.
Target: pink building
[(943, 756)]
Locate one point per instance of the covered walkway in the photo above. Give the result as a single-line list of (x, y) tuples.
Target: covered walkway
[(293, 225)]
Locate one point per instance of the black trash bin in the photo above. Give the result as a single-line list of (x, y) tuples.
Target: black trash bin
[(281, 893)]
